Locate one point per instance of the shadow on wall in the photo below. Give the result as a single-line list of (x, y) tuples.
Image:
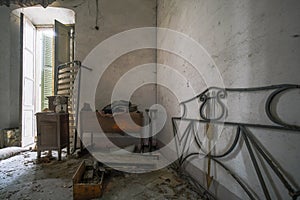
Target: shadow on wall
[(273, 58), (144, 96)]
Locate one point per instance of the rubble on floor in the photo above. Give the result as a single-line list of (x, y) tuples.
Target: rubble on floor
[(25, 177), (10, 137), (160, 184)]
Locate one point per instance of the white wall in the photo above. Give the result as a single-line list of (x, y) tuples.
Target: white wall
[(253, 43), (115, 16), (144, 96)]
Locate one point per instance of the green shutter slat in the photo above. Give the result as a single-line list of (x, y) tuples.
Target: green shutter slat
[(47, 70)]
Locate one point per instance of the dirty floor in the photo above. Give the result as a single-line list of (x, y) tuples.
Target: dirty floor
[(25, 177)]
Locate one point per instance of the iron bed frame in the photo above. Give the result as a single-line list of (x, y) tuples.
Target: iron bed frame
[(242, 133)]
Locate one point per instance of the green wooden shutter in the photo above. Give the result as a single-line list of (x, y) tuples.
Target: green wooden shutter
[(47, 70)]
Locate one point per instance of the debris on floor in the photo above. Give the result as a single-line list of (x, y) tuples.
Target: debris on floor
[(10, 137), (25, 177), (160, 184)]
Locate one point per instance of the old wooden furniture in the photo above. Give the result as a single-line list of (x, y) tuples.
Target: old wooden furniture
[(52, 132)]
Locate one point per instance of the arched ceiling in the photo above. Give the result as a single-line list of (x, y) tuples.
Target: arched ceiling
[(46, 16)]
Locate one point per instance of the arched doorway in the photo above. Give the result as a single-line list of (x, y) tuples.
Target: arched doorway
[(46, 41)]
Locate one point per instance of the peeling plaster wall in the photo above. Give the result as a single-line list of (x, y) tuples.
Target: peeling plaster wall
[(144, 96), (253, 43), (115, 16)]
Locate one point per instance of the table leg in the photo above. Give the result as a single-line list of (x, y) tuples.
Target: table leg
[(59, 154), (38, 154), (68, 148)]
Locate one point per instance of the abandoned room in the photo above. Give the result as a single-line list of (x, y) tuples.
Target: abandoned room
[(149, 99)]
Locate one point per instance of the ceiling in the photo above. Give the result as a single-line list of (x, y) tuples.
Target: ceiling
[(22, 3), (46, 16)]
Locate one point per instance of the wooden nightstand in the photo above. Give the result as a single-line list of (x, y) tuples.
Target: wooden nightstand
[(52, 132)]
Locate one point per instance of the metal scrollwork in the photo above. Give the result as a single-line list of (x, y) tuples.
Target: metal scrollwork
[(183, 105), (216, 97), (270, 101), (242, 134)]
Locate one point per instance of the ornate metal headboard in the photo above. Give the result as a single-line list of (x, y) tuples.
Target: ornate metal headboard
[(242, 132)]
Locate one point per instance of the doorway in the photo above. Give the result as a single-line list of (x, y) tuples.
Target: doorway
[(46, 42)]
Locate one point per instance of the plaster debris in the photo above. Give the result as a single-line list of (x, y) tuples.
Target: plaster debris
[(24, 177)]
